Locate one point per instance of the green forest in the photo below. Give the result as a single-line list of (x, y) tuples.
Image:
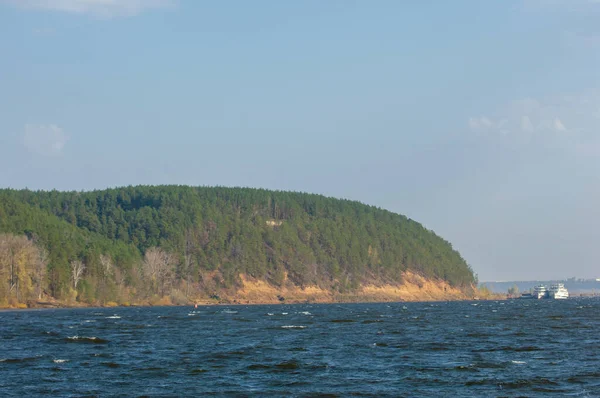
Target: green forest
[(166, 244)]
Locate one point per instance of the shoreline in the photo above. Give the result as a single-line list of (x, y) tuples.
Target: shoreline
[(65, 306), (414, 288)]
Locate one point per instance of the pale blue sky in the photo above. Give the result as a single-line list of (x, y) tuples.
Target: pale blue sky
[(479, 119)]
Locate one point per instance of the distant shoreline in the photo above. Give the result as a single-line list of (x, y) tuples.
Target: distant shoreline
[(414, 288), (205, 303), (222, 304)]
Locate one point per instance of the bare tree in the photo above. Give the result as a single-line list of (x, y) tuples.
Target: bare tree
[(12, 251), (5, 260), (77, 268), (41, 268), (188, 260), (107, 266), (120, 280), (18, 266), (106, 272), (158, 267)]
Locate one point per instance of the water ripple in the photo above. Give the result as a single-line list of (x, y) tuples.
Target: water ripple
[(503, 348)]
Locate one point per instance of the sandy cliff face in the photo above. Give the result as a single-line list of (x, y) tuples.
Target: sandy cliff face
[(413, 288)]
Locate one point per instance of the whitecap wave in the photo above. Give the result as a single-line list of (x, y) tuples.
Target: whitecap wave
[(113, 317), (60, 360), (519, 362), (293, 327), (86, 339), (80, 337)]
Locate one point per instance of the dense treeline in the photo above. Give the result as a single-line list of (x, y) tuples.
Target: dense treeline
[(141, 242)]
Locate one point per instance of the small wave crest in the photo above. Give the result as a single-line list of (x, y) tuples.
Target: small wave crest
[(85, 339), (293, 327)]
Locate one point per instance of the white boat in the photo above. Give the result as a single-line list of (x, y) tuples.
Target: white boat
[(558, 291), (540, 292)]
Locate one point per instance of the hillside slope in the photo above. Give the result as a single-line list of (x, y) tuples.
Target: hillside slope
[(199, 240)]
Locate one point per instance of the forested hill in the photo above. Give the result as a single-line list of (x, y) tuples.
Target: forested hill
[(147, 240)]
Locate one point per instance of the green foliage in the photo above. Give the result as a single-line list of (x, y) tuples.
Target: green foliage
[(266, 234)]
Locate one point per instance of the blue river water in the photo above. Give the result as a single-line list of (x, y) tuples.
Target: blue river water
[(479, 348)]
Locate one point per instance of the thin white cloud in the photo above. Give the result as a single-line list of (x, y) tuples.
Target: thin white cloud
[(526, 125), (480, 123), (102, 8), (47, 140), (558, 125), (569, 120)]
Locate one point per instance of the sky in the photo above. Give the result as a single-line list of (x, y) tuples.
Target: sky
[(479, 119)]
